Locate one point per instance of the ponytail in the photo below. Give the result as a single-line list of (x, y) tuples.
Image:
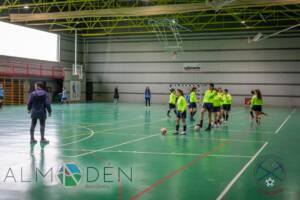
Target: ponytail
[(180, 91), (258, 94)]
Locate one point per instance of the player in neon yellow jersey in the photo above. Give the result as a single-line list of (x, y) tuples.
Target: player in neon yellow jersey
[(251, 111), (257, 103), (181, 112), (193, 103), (207, 105), (217, 102), (172, 102), (227, 101)]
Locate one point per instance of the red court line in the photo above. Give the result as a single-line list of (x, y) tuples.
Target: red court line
[(177, 171), (120, 190)]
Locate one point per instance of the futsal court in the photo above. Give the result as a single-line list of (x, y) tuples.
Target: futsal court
[(149, 99), (203, 165)]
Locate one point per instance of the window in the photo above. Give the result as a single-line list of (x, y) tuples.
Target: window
[(19, 41)]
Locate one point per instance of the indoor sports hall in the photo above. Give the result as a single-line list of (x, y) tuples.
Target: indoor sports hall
[(149, 99)]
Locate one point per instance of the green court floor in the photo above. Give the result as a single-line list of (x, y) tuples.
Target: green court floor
[(117, 152)]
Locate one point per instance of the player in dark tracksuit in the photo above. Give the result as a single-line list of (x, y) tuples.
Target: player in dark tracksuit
[(1, 96), (38, 105), (116, 95), (147, 97)]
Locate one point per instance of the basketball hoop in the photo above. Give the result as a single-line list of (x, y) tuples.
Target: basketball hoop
[(168, 34), (77, 71)]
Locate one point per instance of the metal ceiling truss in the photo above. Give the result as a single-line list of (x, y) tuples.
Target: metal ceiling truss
[(135, 15)]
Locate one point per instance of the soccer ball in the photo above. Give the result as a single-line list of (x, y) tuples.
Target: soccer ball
[(163, 131), (270, 182), (197, 128)]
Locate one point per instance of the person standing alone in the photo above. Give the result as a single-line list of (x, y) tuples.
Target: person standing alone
[(147, 97), (64, 96), (1, 96), (38, 105), (116, 95)]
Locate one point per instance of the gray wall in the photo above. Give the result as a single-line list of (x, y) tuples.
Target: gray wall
[(228, 60)]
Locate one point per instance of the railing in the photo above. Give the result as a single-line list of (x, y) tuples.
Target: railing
[(24, 69)]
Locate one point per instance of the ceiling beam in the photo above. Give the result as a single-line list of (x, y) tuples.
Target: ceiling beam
[(17, 3), (95, 34), (196, 25), (144, 10), (187, 18)]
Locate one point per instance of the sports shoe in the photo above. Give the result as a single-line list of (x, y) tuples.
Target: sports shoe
[(44, 141), (208, 129), (175, 133), (199, 125), (33, 141), (183, 133)]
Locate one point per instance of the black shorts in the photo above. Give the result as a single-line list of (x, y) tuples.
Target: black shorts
[(208, 106), (39, 115), (216, 109), (64, 99), (172, 106), (193, 105), (227, 107), (257, 108), (181, 115), (1, 97)]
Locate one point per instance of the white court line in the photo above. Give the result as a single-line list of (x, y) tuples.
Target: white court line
[(154, 153), (130, 126), (107, 130), (110, 147), (89, 135), (199, 138), (121, 144), (233, 140), (246, 131), (286, 119), (128, 142), (177, 154), (218, 139), (118, 121), (231, 183), (26, 125), (92, 132)]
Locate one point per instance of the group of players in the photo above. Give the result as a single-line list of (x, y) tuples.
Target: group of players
[(216, 102)]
